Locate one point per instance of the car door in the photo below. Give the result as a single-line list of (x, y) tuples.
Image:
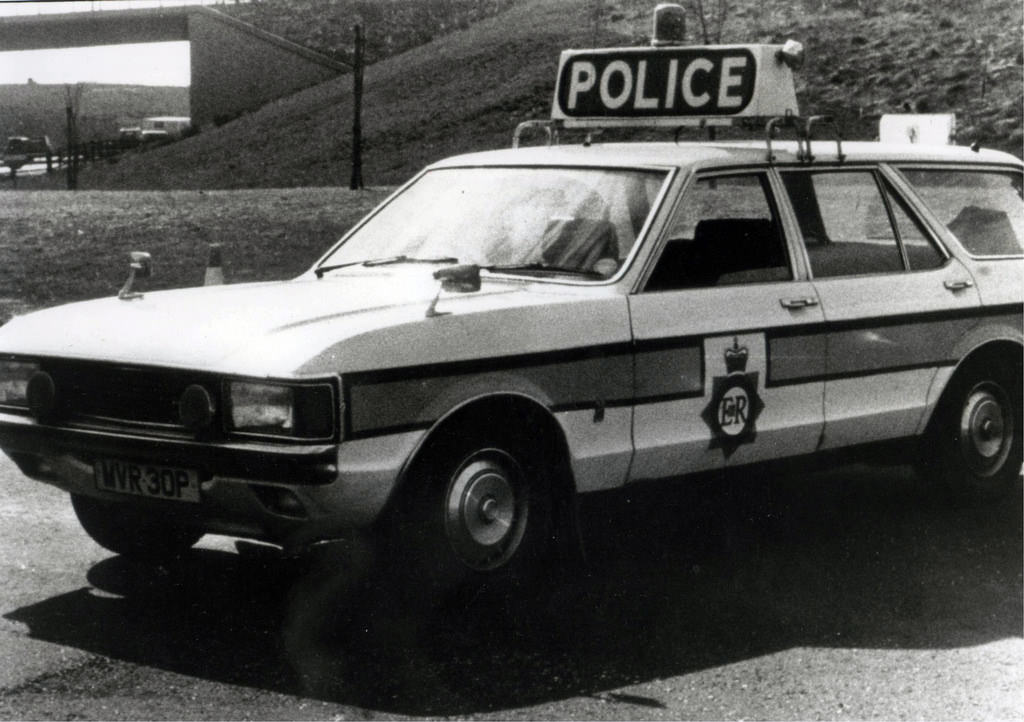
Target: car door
[(894, 300), (728, 368)]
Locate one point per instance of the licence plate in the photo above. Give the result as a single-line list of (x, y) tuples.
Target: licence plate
[(151, 480)]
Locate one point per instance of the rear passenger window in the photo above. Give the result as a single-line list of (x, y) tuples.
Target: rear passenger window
[(844, 223), (726, 232), (921, 252), (982, 208)]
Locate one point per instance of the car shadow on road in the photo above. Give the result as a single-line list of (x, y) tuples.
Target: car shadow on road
[(678, 579)]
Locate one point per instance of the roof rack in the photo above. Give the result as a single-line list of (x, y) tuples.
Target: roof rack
[(809, 134), (803, 128)]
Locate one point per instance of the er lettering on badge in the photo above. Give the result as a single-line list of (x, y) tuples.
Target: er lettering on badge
[(733, 410)]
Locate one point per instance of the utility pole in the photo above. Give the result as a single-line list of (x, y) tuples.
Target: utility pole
[(356, 182), (71, 103)]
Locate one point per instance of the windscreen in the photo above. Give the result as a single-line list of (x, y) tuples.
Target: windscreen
[(579, 221)]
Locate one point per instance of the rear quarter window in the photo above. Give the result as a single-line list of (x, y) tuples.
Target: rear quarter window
[(982, 208)]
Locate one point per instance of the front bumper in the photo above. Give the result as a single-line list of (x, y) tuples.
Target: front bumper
[(340, 487), (293, 464)]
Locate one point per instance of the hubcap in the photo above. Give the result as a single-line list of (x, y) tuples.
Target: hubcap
[(486, 509), (986, 429)]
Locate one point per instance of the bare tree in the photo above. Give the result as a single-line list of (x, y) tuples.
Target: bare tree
[(712, 15), (596, 12)]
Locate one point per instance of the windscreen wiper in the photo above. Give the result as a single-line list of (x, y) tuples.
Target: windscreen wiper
[(542, 268), (384, 262), (410, 259)]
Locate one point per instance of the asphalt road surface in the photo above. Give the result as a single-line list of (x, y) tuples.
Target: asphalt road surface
[(853, 594)]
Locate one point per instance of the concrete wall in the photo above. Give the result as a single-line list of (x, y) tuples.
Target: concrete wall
[(83, 29), (236, 67)]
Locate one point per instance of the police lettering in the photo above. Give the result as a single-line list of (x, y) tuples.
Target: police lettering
[(657, 82)]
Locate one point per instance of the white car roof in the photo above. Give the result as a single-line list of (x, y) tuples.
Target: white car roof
[(709, 154)]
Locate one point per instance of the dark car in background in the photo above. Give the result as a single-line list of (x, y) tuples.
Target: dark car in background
[(21, 149)]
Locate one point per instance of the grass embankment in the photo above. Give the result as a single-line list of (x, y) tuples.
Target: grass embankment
[(468, 89), (393, 26), (58, 247)]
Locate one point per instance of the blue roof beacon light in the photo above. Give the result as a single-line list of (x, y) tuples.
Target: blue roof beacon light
[(669, 25)]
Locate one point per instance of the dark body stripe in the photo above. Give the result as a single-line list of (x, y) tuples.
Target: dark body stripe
[(865, 347), (389, 401)]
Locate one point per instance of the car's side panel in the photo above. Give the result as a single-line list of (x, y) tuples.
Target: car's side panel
[(887, 335), (600, 446), (719, 334), (874, 408), (999, 281), (584, 378), (415, 397)]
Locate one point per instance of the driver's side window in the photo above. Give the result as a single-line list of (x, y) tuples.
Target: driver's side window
[(726, 232)]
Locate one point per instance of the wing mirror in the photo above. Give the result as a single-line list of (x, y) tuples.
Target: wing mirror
[(464, 278), (140, 265)]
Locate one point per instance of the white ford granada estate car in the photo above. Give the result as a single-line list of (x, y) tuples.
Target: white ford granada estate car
[(514, 328)]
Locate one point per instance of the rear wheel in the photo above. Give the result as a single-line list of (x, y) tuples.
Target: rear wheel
[(125, 530), (974, 447)]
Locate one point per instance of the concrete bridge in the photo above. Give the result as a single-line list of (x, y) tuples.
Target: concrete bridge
[(235, 67)]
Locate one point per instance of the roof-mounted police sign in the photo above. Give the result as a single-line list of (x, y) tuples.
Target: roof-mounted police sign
[(672, 85)]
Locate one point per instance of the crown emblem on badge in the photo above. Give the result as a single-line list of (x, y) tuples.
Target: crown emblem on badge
[(736, 358)]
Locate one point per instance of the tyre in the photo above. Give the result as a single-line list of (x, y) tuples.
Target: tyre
[(974, 446), (125, 530), (477, 512)]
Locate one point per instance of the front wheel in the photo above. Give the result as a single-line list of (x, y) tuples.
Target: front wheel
[(125, 530), (478, 509), (487, 504), (976, 440)]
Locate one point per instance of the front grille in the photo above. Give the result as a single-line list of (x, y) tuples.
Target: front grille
[(132, 395)]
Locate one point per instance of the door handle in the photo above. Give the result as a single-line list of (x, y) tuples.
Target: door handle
[(958, 285), (802, 302)]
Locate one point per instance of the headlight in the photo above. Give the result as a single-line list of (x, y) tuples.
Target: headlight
[(261, 407), (14, 376), (300, 411)]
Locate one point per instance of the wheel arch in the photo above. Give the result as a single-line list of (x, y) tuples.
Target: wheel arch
[(999, 350), (517, 410)]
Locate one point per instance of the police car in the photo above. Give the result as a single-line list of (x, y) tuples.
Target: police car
[(513, 329)]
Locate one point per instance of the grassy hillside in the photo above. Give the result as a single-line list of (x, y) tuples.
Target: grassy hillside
[(58, 247), (392, 26), (34, 109), (467, 90)]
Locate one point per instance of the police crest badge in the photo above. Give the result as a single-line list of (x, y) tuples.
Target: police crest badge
[(732, 412)]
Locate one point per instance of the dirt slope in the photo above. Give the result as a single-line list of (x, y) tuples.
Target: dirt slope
[(467, 90)]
